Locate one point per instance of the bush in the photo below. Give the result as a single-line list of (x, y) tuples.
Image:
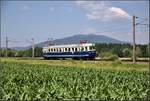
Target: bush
[(113, 57), (127, 52), (104, 54), (108, 56)]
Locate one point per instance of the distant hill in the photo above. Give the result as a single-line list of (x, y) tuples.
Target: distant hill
[(21, 48), (92, 38)]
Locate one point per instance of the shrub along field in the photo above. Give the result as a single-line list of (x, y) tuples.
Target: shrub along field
[(26, 79)]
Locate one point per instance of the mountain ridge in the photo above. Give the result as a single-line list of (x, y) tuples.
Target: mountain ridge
[(91, 38)]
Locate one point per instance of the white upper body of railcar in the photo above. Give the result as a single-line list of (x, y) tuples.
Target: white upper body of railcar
[(69, 48)]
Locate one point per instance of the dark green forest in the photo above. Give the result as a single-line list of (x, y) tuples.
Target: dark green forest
[(21, 53), (121, 50), (103, 49)]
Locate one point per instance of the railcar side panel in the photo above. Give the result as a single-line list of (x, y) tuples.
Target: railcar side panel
[(70, 54)]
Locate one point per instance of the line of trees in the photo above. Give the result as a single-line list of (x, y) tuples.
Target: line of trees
[(121, 50), (21, 53), (103, 49)]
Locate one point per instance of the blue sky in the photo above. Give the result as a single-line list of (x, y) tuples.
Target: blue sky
[(23, 20)]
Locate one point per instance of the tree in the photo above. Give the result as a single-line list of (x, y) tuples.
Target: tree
[(28, 52), (117, 51), (126, 52), (10, 52), (38, 51), (138, 52)]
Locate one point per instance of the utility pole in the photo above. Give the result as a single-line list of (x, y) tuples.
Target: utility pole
[(6, 46), (134, 56), (134, 45), (32, 48)]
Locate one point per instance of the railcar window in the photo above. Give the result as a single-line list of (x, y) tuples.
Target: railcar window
[(49, 50), (76, 49), (73, 49), (85, 48), (65, 49), (68, 49), (54, 49), (82, 48)]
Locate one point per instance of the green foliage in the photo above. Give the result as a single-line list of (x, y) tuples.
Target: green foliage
[(10, 52), (127, 52), (38, 52), (28, 82), (118, 52), (21, 53), (116, 49), (108, 56), (144, 50), (138, 52), (116, 63), (105, 54), (121, 50), (113, 57)]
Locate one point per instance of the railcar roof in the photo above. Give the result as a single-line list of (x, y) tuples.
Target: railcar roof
[(69, 45)]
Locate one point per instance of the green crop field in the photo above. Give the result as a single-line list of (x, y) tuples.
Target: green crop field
[(25, 79)]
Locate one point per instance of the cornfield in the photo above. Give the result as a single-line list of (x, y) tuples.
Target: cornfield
[(41, 81)]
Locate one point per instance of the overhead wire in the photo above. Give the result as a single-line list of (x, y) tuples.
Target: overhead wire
[(108, 30)]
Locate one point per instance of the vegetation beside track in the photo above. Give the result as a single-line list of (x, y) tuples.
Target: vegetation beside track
[(38, 79), (108, 65)]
